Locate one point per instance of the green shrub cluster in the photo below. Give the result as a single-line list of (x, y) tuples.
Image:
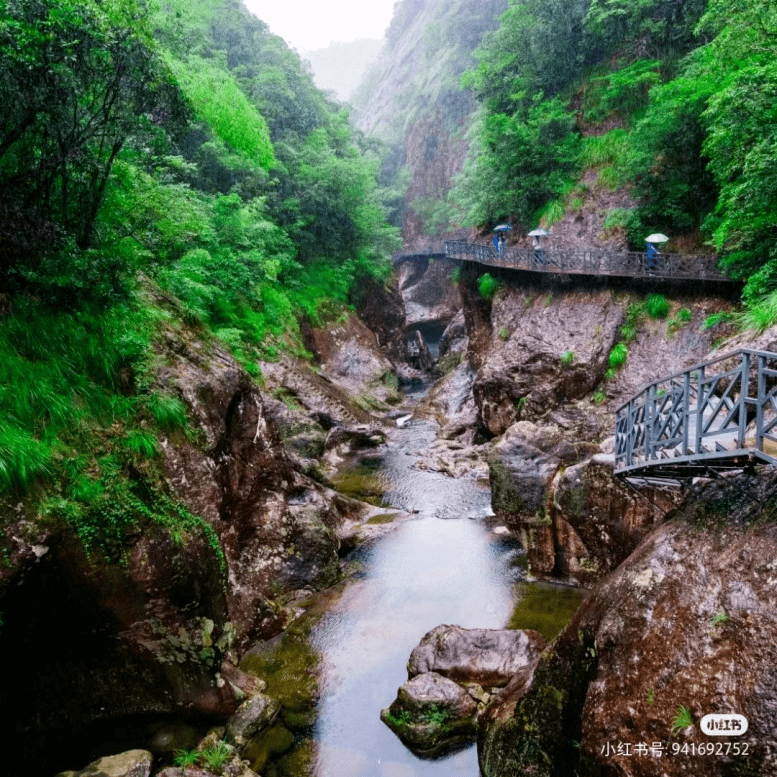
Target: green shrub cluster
[(487, 285)]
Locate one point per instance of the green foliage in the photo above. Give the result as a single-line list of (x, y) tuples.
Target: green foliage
[(682, 317), (634, 313), (518, 161), (487, 285), (623, 92), (142, 443), (669, 166), (568, 358), (719, 619), (616, 219), (656, 306), (552, 213), (681, 720), (599, 397), (169, 413), (23, 459), (215, 756), (81, 82), (760, 314), (618, 355), (504, 334), (638, 27), (718, 318), (186, 758), (650, 696), (218, 99)]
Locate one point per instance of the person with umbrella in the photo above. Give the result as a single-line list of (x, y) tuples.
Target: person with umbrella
[(499, 238), (539, 254), (653, 253)]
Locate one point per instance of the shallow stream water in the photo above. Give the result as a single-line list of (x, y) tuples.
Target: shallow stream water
[(445, 566)]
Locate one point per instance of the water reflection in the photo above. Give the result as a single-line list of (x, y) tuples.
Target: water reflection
[(429, 571)]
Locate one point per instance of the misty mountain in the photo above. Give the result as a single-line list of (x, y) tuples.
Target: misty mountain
[(340, 66)]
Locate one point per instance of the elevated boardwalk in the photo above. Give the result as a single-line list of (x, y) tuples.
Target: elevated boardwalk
[(588, 262), (713, 417)]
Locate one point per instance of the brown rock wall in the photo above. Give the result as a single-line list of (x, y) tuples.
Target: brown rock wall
[(689, 619)]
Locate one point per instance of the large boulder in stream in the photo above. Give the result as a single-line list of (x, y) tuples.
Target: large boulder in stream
[(437, 708), (489, 657), (253, 715), (688, 620), (431, 714)]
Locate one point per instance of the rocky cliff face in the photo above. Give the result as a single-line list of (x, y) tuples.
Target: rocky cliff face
[(412, 99), (686, 621), (98, 644), (429, 294), (544, 388)]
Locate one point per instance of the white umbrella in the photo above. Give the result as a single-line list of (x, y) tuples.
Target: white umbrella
[(656, 237), (542, 233), (502, 227)]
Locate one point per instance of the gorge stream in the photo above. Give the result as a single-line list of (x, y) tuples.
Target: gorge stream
[(445, 564)]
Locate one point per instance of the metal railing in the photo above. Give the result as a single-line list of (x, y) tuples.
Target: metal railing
[(721, 414), (630, 264)]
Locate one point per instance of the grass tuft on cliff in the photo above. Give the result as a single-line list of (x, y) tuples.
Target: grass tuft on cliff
[(82, 422)]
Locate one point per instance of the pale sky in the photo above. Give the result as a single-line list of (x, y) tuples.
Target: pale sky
[(307, 25)]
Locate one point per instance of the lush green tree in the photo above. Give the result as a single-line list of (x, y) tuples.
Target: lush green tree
[(668, 165), (644, 29), (79, 82), (741, 119), (519, 162), (218, 99)]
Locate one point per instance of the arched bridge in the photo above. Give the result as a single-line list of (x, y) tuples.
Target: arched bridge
[(581, 261), (716, 416)]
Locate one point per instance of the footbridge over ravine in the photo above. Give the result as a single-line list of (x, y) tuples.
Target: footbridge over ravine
[(578, 261), (713, 417)]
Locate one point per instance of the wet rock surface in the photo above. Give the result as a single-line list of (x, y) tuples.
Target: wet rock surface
[(252, 716), (148, 636), (687, 620), (432, 714), (133, 763), (488, 657), (597, 520), (551, 349), (429, 294)]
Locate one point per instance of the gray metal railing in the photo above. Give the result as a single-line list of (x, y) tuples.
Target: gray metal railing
[(721, 413), (632, 264)]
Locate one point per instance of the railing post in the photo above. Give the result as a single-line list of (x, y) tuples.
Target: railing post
[(650, 413), (700, 402), (759, 412), (629, 433), (744, 391), (686, 412)]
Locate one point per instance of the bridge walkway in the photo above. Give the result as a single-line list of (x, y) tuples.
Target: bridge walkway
[(717, 416), (581, 262)]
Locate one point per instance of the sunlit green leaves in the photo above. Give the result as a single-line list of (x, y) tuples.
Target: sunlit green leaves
[(218, 99)]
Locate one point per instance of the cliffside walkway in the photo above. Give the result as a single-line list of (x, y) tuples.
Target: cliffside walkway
[(583, 262), (717, 416)]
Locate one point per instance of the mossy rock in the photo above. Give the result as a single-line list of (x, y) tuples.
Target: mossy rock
[(273, 742)]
